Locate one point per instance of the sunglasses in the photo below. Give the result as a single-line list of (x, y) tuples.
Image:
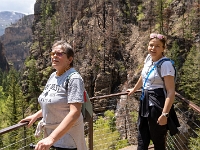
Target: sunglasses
[(59, 54), (159, 36)]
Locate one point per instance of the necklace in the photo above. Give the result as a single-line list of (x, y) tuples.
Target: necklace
[(59, 74)]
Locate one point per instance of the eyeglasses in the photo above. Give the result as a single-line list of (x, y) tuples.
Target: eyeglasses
[(59, 54), (159, 36)]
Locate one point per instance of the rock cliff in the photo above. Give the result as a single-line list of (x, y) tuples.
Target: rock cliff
[(4, 66), (17, 41), (7, 18), (109, 39)]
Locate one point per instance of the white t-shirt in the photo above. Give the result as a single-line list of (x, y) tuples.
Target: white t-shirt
[(54, 102), (154, 81)]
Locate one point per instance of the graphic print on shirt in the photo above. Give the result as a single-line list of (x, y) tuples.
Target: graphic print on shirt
[(49, 93)]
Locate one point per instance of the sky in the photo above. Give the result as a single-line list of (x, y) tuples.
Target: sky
[(21, 6)]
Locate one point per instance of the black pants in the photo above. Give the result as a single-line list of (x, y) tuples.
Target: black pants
[(150, 130)]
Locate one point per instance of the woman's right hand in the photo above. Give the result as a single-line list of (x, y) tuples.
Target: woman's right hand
[(30, 119), (130, 91), (136, 87)]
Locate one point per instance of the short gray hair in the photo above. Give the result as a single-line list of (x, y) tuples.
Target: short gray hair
[(66, 47)]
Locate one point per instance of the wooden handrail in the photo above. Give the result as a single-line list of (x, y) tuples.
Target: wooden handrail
[(107, 96), (111, 95), (14, 127), (190, 104)]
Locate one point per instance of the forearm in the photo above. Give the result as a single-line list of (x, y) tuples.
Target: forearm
[(64, 126), (138, 85), (38, 114), (170, 88), (169, 101)]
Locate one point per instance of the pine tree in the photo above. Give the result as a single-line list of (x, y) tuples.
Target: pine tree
[(174, 54), (2, 118), (159, 13), (190, 79), (105, 128), (1, 77), (33, 84), (13, 105), (4, 82)]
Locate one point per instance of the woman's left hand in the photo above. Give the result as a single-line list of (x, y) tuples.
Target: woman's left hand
[(45, 143), (162, 120)]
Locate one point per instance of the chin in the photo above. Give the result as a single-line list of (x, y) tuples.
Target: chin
[(54, 65), (152, 54)]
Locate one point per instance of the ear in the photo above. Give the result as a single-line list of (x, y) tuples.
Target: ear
[(70, 59)]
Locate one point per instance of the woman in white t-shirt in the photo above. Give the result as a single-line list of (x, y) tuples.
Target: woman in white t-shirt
[(157, 96), (61, 101)]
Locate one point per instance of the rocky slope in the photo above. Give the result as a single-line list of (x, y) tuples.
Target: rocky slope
[(7, 18), (109, 40), (4, 66), (17, 41)]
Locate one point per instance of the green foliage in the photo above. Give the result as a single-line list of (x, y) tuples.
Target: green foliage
[(33, 83), (105, 129), (140, 13), (111, 117), (30, 63), (190, 78), (174, 54), (168, 2), (171, 145), (121, 66), (127, 11), (13, 107), (159, 13), (48, 8), (4, 83), (2, 95), (35, 45), (2, 107), (134, 115), (48, 25), (47, 71), (121, 144), (1, 77), (14, 103), (194, 142)]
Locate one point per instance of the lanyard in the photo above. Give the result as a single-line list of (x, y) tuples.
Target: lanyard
[(142, 96)]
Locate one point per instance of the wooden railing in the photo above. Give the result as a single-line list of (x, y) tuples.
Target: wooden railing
[(179, 97)]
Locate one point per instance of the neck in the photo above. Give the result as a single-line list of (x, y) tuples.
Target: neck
[(59, 73), (156, 59)]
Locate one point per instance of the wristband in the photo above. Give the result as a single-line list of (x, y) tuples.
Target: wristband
[(165, 114)]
